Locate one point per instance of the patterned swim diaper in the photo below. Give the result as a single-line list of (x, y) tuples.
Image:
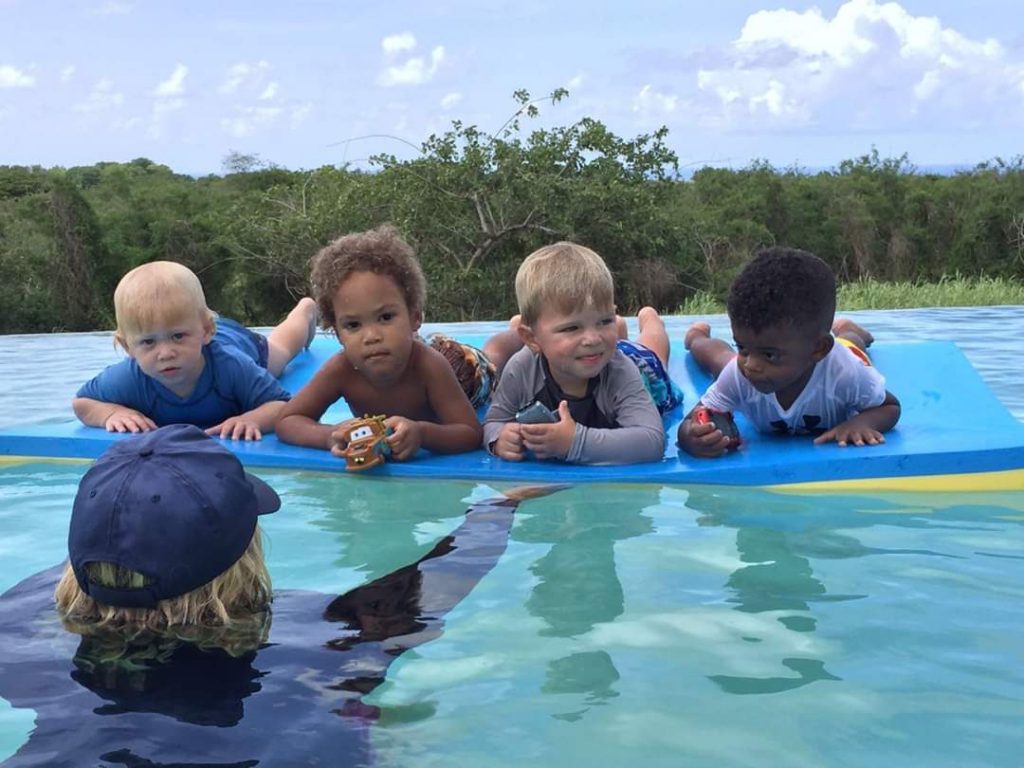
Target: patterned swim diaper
[(663, 390), (476, 374)]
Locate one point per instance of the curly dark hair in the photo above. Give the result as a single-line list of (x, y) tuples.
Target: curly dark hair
[(381, 251), (783, 286)]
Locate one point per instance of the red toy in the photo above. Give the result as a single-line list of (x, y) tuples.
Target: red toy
[(723, 422)]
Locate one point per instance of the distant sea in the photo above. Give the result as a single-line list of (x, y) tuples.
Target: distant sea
[(810, 170)]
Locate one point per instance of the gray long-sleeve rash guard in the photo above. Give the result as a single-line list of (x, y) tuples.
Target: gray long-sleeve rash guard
[(620, 395)]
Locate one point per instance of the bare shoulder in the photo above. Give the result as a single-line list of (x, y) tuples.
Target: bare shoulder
[(425, 362), (335, 374)]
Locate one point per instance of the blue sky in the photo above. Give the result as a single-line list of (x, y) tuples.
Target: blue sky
[(298, 83)]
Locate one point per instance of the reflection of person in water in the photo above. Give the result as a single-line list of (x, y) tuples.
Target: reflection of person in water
[(163, 677), (777, 575), (349, 513), (577, 584)]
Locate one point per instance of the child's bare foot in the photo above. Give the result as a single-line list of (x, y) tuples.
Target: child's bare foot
[(845, 327), (313, 314), (646, 315), (695, 331), (653, 334)]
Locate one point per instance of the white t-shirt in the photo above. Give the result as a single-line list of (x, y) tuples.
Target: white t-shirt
[(840, 387)]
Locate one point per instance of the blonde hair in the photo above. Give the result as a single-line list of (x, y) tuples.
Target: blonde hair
[(564, 275), (229, 612), (159, 291)]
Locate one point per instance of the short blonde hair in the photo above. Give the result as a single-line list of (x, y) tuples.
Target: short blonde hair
[(228, 612), (564, 275), (155, 292)]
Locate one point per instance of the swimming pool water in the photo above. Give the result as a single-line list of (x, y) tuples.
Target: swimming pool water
[(646, 625)]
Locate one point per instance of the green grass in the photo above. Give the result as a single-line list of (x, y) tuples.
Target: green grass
[(955, 291)]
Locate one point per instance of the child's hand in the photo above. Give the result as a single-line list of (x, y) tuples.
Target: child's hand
[(236, 428), (704, 441), (853, 431), (337, 441), (509, 445), (124, 419), (405, 438), (551, 441)]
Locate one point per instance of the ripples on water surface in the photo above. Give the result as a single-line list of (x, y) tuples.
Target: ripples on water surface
[(646, 625)]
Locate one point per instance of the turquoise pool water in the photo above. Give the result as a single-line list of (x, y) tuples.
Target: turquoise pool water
[(646, 625)]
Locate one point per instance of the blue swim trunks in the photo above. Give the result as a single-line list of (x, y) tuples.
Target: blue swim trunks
[(251, 343), (663, 390)]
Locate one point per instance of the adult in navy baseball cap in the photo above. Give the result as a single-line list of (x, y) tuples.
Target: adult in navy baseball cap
[(167, 517)]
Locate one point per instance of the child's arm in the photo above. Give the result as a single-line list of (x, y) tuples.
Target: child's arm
[(251, 425), (111, 416), (115, 399), (256, 392), (299, 421), (866, 427), (456, 429), (502, 435)]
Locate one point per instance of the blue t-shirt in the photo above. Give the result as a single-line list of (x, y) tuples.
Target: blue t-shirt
[(232, 383)]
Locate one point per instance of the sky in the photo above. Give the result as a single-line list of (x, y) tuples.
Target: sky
[(308, 83)]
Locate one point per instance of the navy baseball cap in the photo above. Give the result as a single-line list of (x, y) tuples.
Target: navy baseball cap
[(173, 504)]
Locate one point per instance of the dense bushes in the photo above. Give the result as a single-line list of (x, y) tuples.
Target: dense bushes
[(474, 204)]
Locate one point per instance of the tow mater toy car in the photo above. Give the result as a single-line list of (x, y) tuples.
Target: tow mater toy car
[(367, 444)]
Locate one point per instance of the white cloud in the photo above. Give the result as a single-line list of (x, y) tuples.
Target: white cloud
[(67, 73), (10, 77), (175, 84), (269, 92), (575, 82), (248, 119), (246, 76), (102, 98), (414, 71), (450, 100), (169, 98), (649, 102), (395, 44), (114, 8), (872, 65)]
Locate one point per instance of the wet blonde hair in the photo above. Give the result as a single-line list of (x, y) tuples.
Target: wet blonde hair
[(564, 276), (158, 292), (228, 612)]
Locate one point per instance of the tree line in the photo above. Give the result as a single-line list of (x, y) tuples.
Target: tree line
[(473, 204)]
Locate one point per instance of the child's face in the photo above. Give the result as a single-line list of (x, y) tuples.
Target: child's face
[(577, 344), (171, 350), (374, 325), (779, 359)]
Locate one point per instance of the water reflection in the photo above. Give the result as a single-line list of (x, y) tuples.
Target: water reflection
[(779, 537), (378, 524), (577, 584)]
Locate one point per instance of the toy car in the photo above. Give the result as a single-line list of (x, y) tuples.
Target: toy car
[(366, 443)]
